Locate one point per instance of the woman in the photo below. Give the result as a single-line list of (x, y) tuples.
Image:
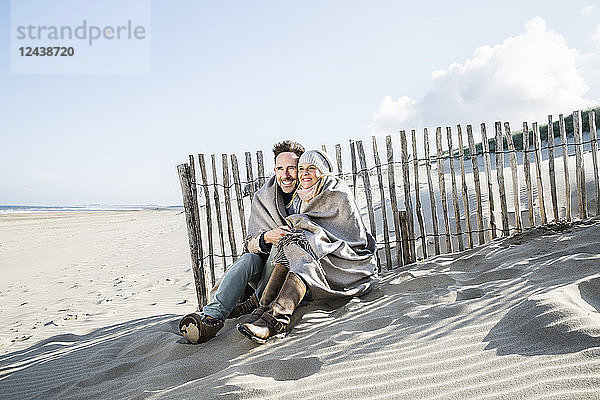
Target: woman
[(327, 254)]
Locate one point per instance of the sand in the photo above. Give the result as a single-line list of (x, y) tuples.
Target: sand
[(90, 304)]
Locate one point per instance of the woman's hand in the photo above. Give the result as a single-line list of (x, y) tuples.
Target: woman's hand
[(274, 235)]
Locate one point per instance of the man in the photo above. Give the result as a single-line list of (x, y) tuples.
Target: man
[(270, 207)]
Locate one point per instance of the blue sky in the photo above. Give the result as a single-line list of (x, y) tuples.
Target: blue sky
[(237, 76)]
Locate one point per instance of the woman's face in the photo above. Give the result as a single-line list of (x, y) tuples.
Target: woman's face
[(308, 175)]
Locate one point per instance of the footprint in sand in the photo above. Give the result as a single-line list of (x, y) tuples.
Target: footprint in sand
[(285, 370), (469, 294)]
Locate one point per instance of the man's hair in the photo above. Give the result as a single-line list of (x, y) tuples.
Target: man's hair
[(288, 146)]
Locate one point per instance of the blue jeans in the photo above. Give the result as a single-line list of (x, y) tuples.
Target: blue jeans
[(248, 269)]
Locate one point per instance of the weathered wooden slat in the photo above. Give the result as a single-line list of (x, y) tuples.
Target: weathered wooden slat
[(386, 234), (500, 176), (527, 171), (220, 226), (393, 198), (407, 197), (592, 120), (261, 168), (338, 157), (367, 187), (249, 175), (515, 177), (209, 223), (185, 182), (455, 205), (551, 168), (354, 168), (475, 164), (442, 183), (488, 174), (229, 215), (238, 193), (579, 165), (194, 189), (402, 216), (434, 216), (465, 191), (418, 207), (565, 157), (538, 170)]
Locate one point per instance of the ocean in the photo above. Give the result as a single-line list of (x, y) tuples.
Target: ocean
[(88, 207)]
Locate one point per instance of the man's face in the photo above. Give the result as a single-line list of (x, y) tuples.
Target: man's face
[(286, 171)]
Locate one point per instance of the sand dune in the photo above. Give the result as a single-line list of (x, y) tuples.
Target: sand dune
[(516, 318)]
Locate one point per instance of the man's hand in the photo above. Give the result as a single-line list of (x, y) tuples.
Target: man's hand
[(274, 235)]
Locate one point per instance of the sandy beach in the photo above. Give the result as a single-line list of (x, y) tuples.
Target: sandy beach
[(74, 272), (90, 305)]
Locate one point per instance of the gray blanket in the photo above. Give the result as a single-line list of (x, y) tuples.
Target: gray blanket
[(267, 212), (330, 247)]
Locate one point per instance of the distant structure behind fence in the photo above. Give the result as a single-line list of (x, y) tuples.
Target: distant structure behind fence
[(427, 202)]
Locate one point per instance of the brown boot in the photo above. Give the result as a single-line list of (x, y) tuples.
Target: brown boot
[(269, 294), (199, 328), (245, 307), (276, 319)]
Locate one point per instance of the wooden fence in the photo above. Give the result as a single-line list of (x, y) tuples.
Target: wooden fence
[(407, 231)]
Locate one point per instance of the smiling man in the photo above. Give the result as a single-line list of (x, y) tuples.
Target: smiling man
[(266, 226)]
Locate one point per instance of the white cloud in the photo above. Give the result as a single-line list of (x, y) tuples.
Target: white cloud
[(596, 34), (524, 78), (587, 11)]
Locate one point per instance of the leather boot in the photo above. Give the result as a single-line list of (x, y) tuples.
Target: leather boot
[(199, 328), (277, 318), (269, 294), (245, 307)]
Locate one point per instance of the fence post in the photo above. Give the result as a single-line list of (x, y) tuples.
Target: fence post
[(407, 199), (367, 187), (354, 169), (218, 209), (238, 193), (527, 171), (551, 168), (261, 168), (515, 176), (455, 205), (434, 216), (194, 190), (538, 170), (418, 208), (442, 183), (386, 234), (207, 208), (465, 191), (183, 171), (249, 175), (565, 151), (402, 216), (475, 164), (500, 176), (338, 157), (393, 198), (228, 214), (592, 119), (488, 174), (580, 165)]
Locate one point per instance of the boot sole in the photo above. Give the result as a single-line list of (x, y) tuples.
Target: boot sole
[(249, 335), (255, 339)]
